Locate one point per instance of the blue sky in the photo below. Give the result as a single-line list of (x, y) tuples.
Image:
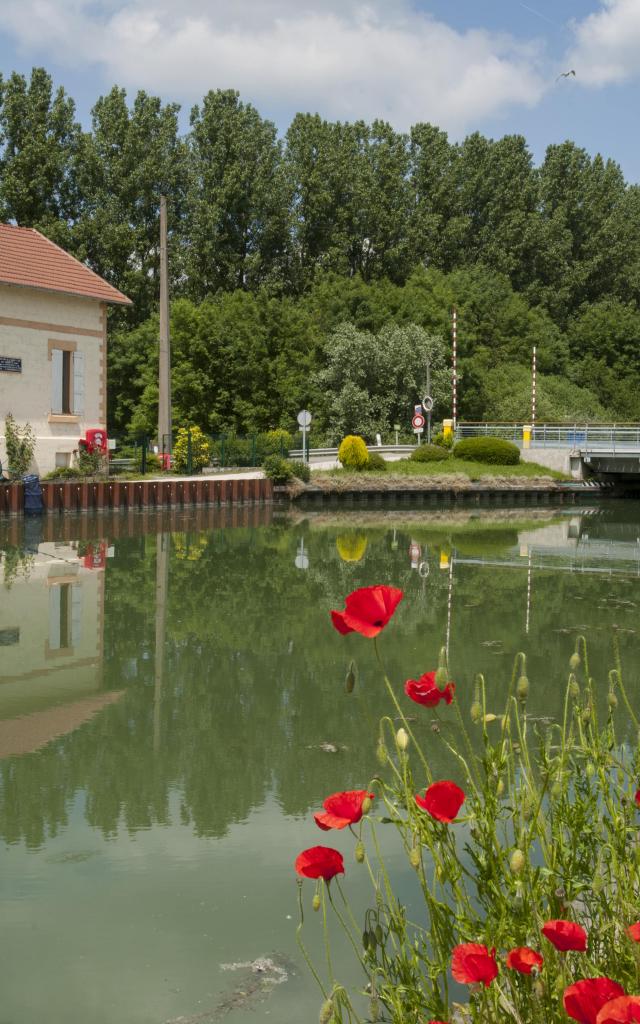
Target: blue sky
[(466, 65)]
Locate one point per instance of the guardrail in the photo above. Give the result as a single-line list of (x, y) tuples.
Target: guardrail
[(332, 453)]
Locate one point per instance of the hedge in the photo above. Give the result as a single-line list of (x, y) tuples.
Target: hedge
[(492, 450), (429, 453)]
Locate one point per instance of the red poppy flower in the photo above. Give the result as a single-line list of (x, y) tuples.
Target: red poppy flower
[(471, 963), (637, 797), (320, 862), (367, 610), (424, 690), (623, 1010), (565, 935), (524, 960), (342, 809), (584, 1000), (633, 931), (442, 800)]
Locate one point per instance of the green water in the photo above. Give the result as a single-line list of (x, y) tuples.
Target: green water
[(172, 709)]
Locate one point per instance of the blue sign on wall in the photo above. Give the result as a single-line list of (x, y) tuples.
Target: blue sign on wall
[(10, 365)]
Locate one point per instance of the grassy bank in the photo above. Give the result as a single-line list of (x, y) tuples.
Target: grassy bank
[(449, 468)]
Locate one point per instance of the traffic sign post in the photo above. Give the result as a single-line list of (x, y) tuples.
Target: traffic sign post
[(417, 422), (304, 422), (427, 405)]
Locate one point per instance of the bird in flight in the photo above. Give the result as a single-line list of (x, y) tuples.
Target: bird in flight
[(566, 74)]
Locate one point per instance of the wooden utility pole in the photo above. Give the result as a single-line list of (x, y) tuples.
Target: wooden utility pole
[(164, 377)]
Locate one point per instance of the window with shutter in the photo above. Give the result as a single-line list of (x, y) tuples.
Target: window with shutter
[(56, 380), (78, 383)]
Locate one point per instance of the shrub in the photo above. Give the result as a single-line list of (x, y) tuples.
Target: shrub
[(153, 462), (274, 442), (62, 473), (20, 443), (429, 453), (375, 463), (492, 450), (200, 450), (301, 470), (353, 453), (443, 441), (277, 469), (230, 450), (88, 460)]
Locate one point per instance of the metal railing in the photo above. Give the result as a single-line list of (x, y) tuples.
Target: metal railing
[(605, 437)]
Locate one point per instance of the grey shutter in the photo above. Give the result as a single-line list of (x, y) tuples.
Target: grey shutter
[(56, 380), (54, 618), (76, 614), (78, 383)]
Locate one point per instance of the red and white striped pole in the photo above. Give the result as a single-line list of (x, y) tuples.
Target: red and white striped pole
[(533, 390), (454, 376)]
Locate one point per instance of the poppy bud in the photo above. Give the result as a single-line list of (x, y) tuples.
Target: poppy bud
[(326, 1012), (574, 687), (402, 739), (538, 988), (527, 809), (476, 711), (414, 857), (517, 861), (359, 852), (612, 700), (350, 680), (598, 883), (500, 788), (366, 805), (522, 688), (381, 753), (374, 1009), (442, 677), (574, 662), (556, 790), (315, 903), (440, 872), (586, 715), (590, 769)]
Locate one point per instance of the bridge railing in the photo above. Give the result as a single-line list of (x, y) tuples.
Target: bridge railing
[(610, 437)]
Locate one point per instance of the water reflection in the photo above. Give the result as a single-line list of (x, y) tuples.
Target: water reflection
[(199, 692)]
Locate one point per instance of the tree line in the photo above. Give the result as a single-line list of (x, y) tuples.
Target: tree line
[(276, 242)]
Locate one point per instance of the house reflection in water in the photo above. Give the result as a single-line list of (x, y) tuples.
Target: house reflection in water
[(51, 646)]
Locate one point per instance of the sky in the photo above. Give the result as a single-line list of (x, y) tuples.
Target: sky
[(466, 65)]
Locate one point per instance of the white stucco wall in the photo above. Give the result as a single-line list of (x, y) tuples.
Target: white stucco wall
[(31, 322)]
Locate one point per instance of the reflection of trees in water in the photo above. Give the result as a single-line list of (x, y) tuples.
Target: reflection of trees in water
[(254, 676)]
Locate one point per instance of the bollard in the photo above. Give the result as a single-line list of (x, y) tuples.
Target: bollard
[(447, 428), (526, 436)]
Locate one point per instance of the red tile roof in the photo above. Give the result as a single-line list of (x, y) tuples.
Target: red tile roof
[(30, 260)]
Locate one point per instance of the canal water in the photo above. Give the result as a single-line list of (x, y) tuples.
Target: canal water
[(173, 709)]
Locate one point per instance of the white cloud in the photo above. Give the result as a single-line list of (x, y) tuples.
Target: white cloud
[(607, 44), (345, 59)]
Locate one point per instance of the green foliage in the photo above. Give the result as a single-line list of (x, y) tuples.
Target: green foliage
[(275, 442), (375, 463), (301, 470), (492, 450), (20, 443), (444, 441), (88, 463), (153, 462), (430, 453), (353, 453), (368, 379), (62, 473), (278, 469), (191, 450)]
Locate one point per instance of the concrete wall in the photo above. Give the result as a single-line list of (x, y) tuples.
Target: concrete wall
[(559, 459), (32, 323)]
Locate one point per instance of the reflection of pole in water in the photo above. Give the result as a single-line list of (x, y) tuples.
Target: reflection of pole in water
[(528, 596), (162, 586), (449, 603)]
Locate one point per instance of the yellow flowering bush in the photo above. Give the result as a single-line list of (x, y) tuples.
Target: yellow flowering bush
[(353, 453), (200, 450)]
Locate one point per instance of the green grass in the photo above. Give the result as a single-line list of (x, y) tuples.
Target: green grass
[(473, 470)]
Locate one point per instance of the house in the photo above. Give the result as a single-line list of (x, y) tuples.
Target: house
[(53, 344)]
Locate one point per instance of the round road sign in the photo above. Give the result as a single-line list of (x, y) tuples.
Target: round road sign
[(427, 403), (418, 421), (304, 417)]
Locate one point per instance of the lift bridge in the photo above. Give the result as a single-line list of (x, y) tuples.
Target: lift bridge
[(609, 451)]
